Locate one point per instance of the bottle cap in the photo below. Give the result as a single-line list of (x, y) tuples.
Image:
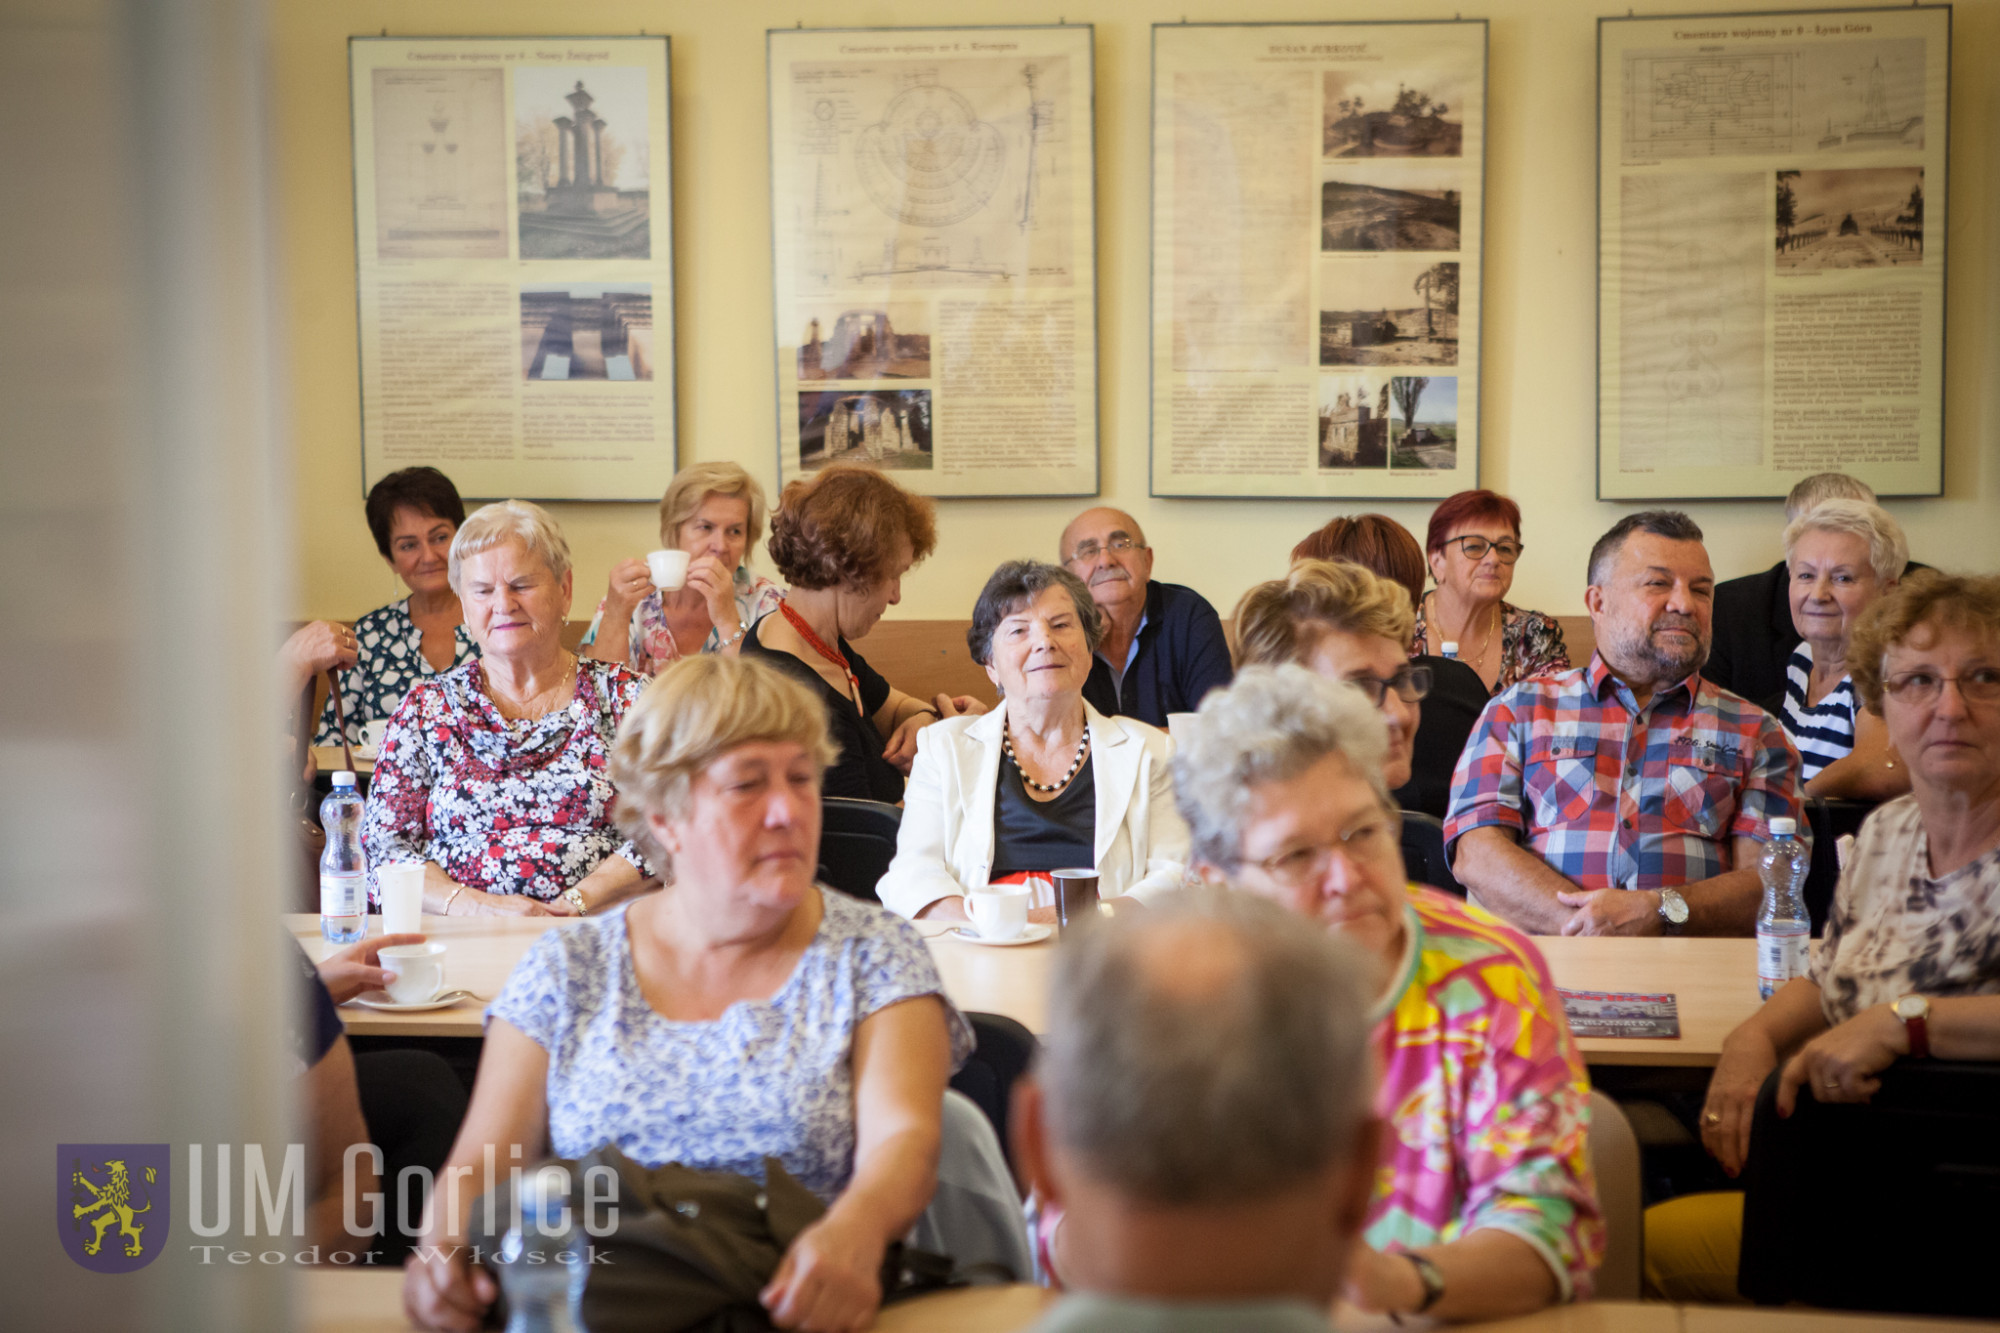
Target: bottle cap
[(1782, 827), (343, 779), (1449, 648)]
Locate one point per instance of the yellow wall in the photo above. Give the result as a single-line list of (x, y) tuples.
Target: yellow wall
[(1539, 415)]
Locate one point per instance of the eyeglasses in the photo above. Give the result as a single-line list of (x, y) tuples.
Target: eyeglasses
[(1091, 550), (1410, 684), (1363, 844), (1475, 548), (1981, 685)]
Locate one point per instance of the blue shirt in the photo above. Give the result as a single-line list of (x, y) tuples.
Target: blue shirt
[(1177, 657)]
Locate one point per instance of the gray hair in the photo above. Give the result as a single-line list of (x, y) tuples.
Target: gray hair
[(1016, 584), (1270, 724), (1888, 549), (1669, 523), (1816, 490), (503, 521), (1209, 1050)]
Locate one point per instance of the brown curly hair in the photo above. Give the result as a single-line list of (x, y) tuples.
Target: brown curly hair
[(839, 529), (1967, 604)]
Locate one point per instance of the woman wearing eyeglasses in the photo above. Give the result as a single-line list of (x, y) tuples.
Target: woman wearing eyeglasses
[(1473, 544), (1909, 964)]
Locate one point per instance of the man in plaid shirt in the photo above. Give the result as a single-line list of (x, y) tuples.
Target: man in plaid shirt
[(1628, 797)]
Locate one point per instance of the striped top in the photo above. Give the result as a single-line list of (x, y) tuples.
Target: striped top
[(1823, 731)]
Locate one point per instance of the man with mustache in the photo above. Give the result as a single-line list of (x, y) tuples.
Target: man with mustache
[(1629, 797), (1163, 646)]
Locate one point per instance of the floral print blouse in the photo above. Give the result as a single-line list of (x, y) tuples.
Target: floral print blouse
[(770, 1077), (1531, 644), (651, 647), (391, 660), (502, 807), (1484, 1095)]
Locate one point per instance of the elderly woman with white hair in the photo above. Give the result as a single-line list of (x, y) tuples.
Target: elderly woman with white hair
[(495, 774), (1840, 557), (1484, 1205)]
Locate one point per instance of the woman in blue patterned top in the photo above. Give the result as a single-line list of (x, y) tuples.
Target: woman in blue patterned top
[(1840, 556), (413, 515), (737, 1013)]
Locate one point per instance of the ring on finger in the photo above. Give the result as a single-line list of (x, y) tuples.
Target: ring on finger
[(1833, 1083), (1711, 1118)]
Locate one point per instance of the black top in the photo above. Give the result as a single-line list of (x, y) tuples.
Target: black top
[(1450, 711), (860, 772), (1181, 656), (315, 1025), (1044, 835)]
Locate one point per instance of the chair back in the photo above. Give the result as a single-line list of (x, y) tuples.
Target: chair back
[(1004, 1049), (1424, 861), (1614, 1159), (1829, 819), (857, 840), (1828, 1188)]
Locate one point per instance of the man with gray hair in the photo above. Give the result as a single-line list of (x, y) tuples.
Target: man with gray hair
[(1631, 796), (1201, 1113)]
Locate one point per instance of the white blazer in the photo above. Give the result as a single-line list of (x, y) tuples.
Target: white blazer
[(946, 843)]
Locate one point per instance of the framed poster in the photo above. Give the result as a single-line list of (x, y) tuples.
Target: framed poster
[(513, 223), (1771, 251), (933, 215), (1318, 204)]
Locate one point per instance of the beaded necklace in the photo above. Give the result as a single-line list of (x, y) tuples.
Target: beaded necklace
[(1007, 748), (818, 645)]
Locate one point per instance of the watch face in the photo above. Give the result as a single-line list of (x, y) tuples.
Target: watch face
[(1912, 1006), (1673, 907)]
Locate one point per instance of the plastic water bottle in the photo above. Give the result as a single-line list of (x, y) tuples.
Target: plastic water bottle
[(1448, 649), (343, 873), (1784, 929), (546, 1257)]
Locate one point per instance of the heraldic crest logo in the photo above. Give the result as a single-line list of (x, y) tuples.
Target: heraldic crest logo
[(114, 1204)]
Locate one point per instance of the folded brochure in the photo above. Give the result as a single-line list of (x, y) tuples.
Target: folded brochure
[(1596, 1013)]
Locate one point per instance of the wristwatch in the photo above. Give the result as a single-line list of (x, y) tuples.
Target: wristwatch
[(574, 897), (1673, 911), (1433, 1280), (1915, 1011)]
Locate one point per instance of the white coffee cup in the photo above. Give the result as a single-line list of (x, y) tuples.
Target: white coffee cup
[(1180, 726), (416, 971), (998, 914), (372, 733), (670, 569), (402, 885)]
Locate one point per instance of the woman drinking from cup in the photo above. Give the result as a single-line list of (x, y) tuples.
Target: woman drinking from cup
[(1042, 783), (697, 594), (413, 515), (494, 774), (1474, 542)]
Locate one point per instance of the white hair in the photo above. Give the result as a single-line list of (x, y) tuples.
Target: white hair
[(1811, 492), (523, 521), (1888, 550)]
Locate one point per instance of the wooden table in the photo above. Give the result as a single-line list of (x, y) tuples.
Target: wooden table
[(1716, 981), (331, 760)]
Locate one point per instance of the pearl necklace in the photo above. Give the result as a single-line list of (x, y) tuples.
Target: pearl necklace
[(1007, 748)]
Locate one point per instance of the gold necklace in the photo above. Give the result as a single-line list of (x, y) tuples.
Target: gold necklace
[(527, 709)]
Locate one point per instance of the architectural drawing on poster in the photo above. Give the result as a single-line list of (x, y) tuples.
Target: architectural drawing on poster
[(943, 173), (1863, 97), (440, 164), (1709, 105)]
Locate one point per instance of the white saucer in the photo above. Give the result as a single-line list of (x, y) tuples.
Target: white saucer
[(379, 999), (1036, 932)]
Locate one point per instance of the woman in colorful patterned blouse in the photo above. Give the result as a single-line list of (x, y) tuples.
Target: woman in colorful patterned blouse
[(1485, 1206), (1473, 543), (496, 774), (739, 1014), (714, 512), (414, 514)]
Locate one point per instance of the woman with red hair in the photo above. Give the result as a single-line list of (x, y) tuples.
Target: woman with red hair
[(1474, 540)]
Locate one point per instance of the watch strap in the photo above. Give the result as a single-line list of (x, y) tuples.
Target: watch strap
[(1917, 1027), (1431, 1276)]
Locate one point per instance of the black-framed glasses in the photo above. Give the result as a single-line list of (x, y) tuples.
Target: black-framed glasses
[(1362, 843), (1091, 550), (1981, 685), (1410, 684), (1475, 548)]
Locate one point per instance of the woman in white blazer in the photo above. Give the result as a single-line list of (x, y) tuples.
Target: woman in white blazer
[(1042, 782)]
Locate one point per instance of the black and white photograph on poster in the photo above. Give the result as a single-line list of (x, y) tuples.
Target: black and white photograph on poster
[(1356, 215), (587, 331), (886, 341), (1851, 218), (582, 162), (1423, 421), (1353, 422), (879, 428), (440, 149), (1370, 112), (1388, 311)]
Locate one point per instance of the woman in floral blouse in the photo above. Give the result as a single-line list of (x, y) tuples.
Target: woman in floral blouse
[(413, 514), (714, 512), (1473, 543), (496, 773), (1485, 1206)]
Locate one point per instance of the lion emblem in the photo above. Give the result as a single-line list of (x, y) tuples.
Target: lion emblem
[(112, 1203)]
